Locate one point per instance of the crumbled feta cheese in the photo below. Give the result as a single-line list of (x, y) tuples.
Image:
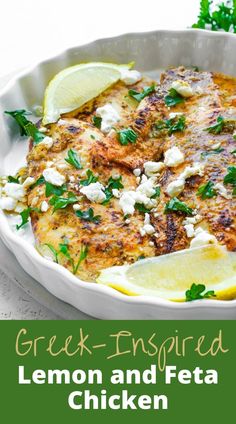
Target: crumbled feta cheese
[(222, 191), (47, 141), (173, 157), (151, 243), (7, 203), (94, 192), (50, 163), (19, 207), (216, 145), (153, 168), (130, 77), (28, 182), (174, 115), (182, 87), (175, 187), (127, 221), (76, 206), (17, 191), (52, 176), (147, 186), (44, 206), (137, 172), (61, 165), (116, 193), (189, 228), (127, 202), (34, 201), (147, 227), (190, 171), (202, 238), (192, 219), (109, 117), (72, 178)]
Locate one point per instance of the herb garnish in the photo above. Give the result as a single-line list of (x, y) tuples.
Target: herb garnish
[(206, 191), (196, 292), (218, 127), (26, 127), (212, 152), (127, 135), (64, 250), (157, 192), (111, 185), (91, 178), (49, 188), (172, 125), (11, 179), (230, 178), (88, 216), (141, 208), (73, 159), (223, 17), (97, 121), (173, 98), (62, 202), (25, 214), (175, 205), (138, 96)]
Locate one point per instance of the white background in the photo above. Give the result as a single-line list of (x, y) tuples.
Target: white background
[(31, 31)]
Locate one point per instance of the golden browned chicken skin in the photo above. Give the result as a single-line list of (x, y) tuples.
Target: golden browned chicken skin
[(116, 239)]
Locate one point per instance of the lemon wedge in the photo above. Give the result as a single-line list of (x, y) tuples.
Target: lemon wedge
[(76, 85), (169, 276)]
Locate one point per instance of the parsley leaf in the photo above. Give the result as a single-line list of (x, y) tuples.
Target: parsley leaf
[(62, 202), (26, 127), (73, 159), (64, 249), (141, 208), (53, 250), (223, 17), (157, 193), (173, 98), (172, 125), (141, 95), (233, 152), (88, 216), (11, 179), (206, 191), (52, 189), (218, 127), (175, 205), (127, 135), (196, 292), (25, 214), (91, 178), (112, 184), (97, 121), (230, 178), (212, 152)]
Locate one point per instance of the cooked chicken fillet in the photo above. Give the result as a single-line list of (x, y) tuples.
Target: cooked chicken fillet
[(115, 239)]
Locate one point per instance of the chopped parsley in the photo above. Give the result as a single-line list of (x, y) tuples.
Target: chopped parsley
[(175, 205), (173, 98), (91, 178), (196, 292), (52, 189), (11, 179), (206, 191), (157, 193), (25, 214), (111, 185), (62, 202), (218, 127), (73, 159), (141, 208), (88, 216), (222, 16), (141, 95), (230, 178), (64, 250), (172, 125), (127, 135), (27, 127), (233, 152), (97, 121), (212, 152)]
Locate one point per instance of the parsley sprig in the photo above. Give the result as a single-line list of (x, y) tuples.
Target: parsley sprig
[(64, 250), (218, 127), (126, 136), (172, 125), (73, 159), (111, 185), (175, 205), (230, 178), (27, 127), (173, 98), (196, 292), (25, 215), (206, 191), (62, 202), (91, 178), (139, 96), (222, 17), (88, 215)]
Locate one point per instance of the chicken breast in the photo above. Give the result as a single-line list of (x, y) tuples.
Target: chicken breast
[(171, 160)]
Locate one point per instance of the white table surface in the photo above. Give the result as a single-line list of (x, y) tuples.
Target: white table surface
[(30, 32)]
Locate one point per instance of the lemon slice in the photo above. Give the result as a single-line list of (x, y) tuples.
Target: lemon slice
[(76, 85), (169, 276)]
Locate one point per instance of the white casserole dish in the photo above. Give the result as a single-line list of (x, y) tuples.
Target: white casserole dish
[(152, 52)]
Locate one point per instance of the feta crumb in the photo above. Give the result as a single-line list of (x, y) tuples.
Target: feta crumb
[(116, 193), (72, 178), (173, 157), (127, 221), (175, 187), (109, 117), (127, 202), (216, 145), (61, 165), (130, 77), (174, 115), (183, 88), (222, 191), (151, 243), (76, 206), (153, 168), (196, 169), (189, 228), (94, 192), (17, 191), (28, 182), (7, 203), (137, 172), (147, 227), (47, 141), (202, 238), (192, 219), (34, 201), (44, 206), (52, 176)]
